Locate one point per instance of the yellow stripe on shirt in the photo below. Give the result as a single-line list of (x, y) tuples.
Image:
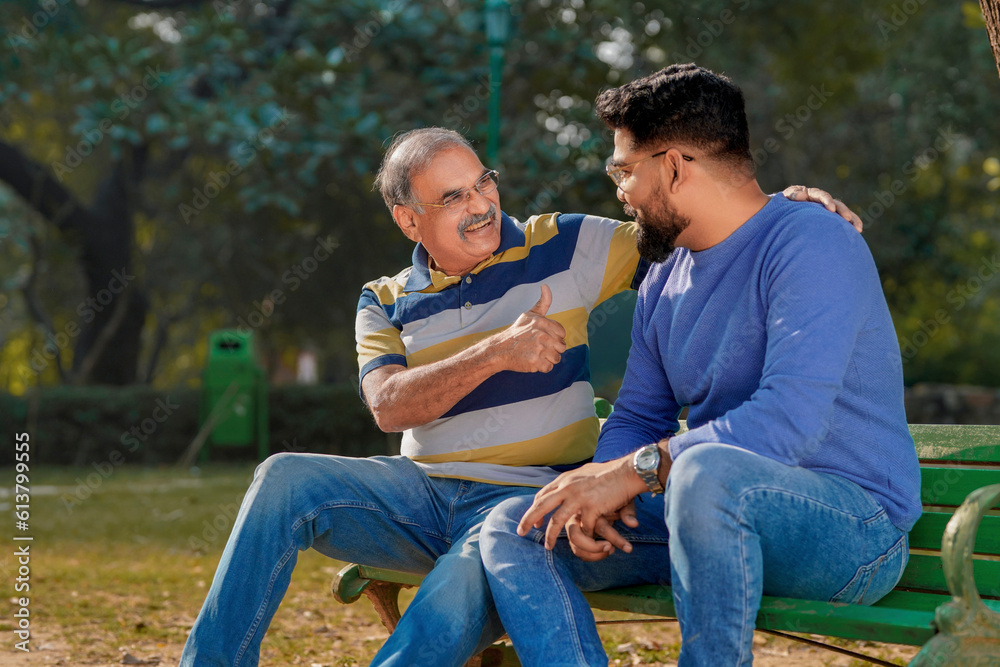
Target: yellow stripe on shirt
[(623, 257), (570, 444), (379, 343)]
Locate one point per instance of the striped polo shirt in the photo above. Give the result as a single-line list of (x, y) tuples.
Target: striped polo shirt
[(514, 428)]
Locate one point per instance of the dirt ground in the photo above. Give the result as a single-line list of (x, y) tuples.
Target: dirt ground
[(50, 651)]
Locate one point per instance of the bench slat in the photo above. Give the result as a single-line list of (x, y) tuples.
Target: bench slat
[(950, 485), (901, 618), (927, 532), (884, 624), (924, 572), (954, 442), (392, 576)]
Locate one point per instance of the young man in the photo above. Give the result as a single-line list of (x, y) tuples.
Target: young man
[(797, 476), (478, 353)]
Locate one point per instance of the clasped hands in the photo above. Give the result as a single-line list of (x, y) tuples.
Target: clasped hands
[(587, 501)]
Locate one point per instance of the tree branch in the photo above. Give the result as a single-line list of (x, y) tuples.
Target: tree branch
[(35, 307), (103, 338), (36, 185), (164, 320), (991, 12)]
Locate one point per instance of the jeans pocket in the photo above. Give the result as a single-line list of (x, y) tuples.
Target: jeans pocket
[(873, 580)]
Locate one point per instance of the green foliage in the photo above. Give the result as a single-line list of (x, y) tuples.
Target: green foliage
[(267, 121)]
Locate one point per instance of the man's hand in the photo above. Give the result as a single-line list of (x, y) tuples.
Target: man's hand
[(586, 494), (802, 193), (591, 550), (402, 398), (534, 343)]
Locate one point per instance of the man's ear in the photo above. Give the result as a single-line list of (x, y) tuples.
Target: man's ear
[(679, 169), (406, 220)]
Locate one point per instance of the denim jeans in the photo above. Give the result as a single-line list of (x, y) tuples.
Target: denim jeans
[(379, 511), (731, 526)]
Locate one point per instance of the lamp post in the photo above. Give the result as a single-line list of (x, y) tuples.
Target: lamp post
[(497, 32)]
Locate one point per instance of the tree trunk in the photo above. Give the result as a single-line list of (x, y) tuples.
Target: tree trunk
[(113, 312), (991, 12), (107, 351)]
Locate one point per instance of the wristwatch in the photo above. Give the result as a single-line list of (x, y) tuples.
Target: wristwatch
[(646, 463)]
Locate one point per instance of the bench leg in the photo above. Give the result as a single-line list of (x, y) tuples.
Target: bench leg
[(385, 598), (348, 585), (498, 655)]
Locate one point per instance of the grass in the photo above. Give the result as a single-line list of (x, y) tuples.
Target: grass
[(125, 561), (121, 562)]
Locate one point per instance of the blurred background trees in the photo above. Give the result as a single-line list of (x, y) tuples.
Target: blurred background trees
[(174, 166)]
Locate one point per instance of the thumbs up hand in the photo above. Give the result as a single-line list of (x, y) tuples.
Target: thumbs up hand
[(534, 343), (542, 305)]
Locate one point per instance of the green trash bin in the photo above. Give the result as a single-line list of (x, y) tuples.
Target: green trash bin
[(234, 394)]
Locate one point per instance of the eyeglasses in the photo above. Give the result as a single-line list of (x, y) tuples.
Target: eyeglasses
[(617, 172), (486, 184)]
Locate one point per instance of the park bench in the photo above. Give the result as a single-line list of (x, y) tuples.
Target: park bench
[(947, 601)]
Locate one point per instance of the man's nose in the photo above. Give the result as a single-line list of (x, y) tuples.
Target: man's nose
[(478, 202), (620, 194)]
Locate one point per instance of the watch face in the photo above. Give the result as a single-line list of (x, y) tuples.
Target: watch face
[(646, 459)]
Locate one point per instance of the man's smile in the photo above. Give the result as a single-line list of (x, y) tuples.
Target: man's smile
[(478, 223)]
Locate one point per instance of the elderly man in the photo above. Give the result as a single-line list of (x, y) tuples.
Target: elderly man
[(797, 476), (478, 353)]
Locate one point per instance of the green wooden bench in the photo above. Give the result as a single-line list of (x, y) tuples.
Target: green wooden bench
[(948, 599)]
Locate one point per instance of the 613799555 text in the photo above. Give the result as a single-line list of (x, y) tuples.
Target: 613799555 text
[(22, 540)]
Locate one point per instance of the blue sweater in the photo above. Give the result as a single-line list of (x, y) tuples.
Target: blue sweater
[(779, 341)]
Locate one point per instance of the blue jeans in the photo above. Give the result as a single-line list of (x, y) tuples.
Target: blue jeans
[(380, 511), (732, 526)]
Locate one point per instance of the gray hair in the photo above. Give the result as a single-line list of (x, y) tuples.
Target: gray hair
[(409, 154)]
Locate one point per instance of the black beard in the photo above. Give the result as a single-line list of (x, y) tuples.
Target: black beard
[(655, 243), (656, 238)]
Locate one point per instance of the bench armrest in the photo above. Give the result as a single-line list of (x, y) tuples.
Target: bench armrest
[(348, 585), (958, 545), (968, 630)]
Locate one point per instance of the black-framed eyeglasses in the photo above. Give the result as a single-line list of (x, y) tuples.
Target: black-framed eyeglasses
[(617, 172), (486, 184)]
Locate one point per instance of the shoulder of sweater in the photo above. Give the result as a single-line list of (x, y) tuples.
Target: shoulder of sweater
[(797, 216), (803, 226)]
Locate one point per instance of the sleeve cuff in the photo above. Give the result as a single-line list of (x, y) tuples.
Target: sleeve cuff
[(378, 362)]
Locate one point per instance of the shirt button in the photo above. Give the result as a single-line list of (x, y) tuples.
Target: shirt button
[(468, 305), (468, 280)]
